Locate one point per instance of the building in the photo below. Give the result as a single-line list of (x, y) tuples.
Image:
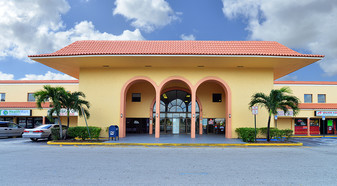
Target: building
[(318, 99), (17, 102), (175, 87)]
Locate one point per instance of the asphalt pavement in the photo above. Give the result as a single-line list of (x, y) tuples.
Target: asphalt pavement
[(24, 162)]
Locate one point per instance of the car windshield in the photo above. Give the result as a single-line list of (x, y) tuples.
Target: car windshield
[(43, 127)]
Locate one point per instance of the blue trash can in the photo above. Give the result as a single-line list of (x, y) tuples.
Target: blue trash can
[(113, 132)]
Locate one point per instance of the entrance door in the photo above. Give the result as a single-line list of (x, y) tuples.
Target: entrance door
[(175, 112)]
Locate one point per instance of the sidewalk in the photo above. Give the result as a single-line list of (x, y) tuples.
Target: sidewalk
[(177, 140)]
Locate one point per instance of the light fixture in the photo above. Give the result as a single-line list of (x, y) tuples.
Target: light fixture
[(188, 95), (193, 115), (186, 101), (229, 115), (164, 96), (121, 115), (201, 66), (106, 66), (148, 66), (240, 66)]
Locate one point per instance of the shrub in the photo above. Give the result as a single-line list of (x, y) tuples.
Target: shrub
[(277, 133), (246, 134), (55, 134), (82, 132)]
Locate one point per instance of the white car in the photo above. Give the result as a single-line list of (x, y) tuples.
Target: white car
[(10, 129), (41, 132)]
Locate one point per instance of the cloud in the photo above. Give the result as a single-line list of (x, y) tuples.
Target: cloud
[(4, 76), (302, 24), (187, 37), (48, 76), (28, 27), (146, 14)]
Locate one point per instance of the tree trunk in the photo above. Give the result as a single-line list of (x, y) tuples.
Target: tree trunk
[(60, 124), (268, 128), (68, 118)]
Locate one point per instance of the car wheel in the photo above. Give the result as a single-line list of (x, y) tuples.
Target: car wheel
[(33, 139)]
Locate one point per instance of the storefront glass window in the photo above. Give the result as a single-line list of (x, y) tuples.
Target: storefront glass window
[(31, 97), (300, 122), (321, 98), (307, 98), (2, 96)]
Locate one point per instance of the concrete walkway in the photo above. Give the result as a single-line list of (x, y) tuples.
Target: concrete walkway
[(178, 139)]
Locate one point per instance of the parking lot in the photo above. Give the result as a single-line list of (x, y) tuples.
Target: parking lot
[(24, 162)]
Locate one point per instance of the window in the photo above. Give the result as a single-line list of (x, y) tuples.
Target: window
[(2, 96), (135, 97), (31, 97), (321, 98), (216, 97), (307, 98)]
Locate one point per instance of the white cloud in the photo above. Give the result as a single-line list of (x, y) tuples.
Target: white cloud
[(146, 14), (304, 24), (187, 37), (4, 76), (36, 27), (48, 76)]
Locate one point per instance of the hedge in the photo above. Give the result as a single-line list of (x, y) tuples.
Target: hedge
[(247, 134), (82, 132)]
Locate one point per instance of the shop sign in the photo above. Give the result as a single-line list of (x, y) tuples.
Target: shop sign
[(281, 113), (325, 113), (15, 112), (63, 112)]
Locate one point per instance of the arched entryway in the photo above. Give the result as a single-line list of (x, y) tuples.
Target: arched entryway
[(175, 111), (217, 95), (136, 96)]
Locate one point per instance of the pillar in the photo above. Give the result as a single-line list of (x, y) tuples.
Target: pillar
[(200, 126), (157, 126), (193, 113), (308, 126), (43, 120), (151, 123)]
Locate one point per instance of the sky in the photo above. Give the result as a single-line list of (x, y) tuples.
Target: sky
[(30, 27)]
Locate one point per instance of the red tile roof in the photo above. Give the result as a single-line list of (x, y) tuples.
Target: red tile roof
[(21, 105), (37, 81), (254, 48), (317, 105), (307, 82)]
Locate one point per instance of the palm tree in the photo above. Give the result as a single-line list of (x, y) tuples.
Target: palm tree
[(74, 102), (53, 94), (277, 99)]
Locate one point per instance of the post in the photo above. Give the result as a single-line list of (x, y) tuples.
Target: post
[(255, 126), (308, 126), (323, 118)]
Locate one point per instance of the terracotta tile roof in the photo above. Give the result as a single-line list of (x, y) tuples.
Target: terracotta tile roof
[(37, 81), (317, 105), (307, 82), (21, 105), (254, 48)]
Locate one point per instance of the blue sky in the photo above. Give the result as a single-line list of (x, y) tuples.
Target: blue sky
[(48, 25)]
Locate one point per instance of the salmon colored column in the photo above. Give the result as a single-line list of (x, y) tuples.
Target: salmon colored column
[(157, 126), (200, 126), (151, 123), (308, 126), (43, 120), (193, 113)]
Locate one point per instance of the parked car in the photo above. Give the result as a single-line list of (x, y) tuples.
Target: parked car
[(41, 132), (10, 129)]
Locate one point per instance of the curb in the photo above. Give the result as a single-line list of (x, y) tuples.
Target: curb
[(180, 144), (314, 136)]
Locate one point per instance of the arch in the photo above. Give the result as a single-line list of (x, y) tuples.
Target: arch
[(228, 98), (173, 78), (125, 88)]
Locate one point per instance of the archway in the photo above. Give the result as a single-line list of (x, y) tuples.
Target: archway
[(140, 91), (175, 111), (217, 96)]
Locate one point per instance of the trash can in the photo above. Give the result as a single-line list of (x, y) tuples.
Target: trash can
[(113, 132)]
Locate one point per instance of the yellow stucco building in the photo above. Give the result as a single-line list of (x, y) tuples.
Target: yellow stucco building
[(201, 87)]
